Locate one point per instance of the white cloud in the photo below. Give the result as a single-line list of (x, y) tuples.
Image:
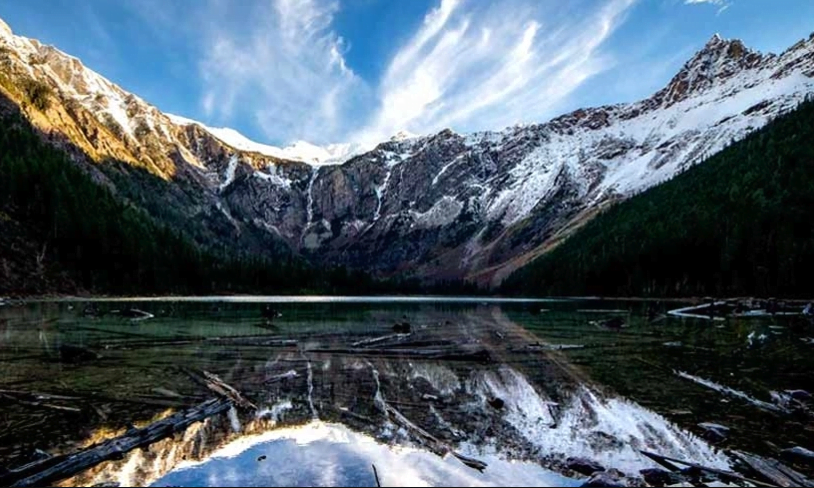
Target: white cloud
[(284, 65), (469, 66), (721, 4), (473, 67)]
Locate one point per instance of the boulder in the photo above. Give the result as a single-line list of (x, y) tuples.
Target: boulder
[(496, 403), (76, 354), (661, 477), (605, 479), (402, 328), (714, 432), (613, 323), (583, 465)]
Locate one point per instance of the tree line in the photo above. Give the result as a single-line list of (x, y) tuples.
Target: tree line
[(740, 223), (112, 247)]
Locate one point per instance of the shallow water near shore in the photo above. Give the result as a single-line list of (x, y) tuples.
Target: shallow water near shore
[(325, 371)]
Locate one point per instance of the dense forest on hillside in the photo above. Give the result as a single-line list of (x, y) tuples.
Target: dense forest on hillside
[(75, 235), (741, 223)]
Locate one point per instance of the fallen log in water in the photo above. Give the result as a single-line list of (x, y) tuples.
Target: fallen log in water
[(770, 407), (218, 386), (40, 404), (439, 446), (670, 463), (774, 471), (221, 388), (47, 471), (446, 354), (376, 340)]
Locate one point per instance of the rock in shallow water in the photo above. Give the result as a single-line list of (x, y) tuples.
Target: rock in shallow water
[(660, 477), (583, 466), (714, 432), (605, 479)]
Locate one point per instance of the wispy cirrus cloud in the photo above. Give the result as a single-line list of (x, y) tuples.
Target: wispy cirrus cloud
[(470, 65), (282, 63), (721, 4), (473, 66)]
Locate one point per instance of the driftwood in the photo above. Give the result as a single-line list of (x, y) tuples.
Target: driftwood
[(48, 471), (88, 397), (376, 474), (218, 386), (376, 340), (774, 471), (669, 463), (435, 443), (134, 314), (446, 354), (40, 404)]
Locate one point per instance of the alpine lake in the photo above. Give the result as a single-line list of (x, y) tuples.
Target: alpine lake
[(429, 391)]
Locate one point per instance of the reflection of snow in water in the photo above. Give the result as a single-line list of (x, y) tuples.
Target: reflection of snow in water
[(234, 421), (443, 379), (526, 411), (610, 431), (321, 454), (275, 412)]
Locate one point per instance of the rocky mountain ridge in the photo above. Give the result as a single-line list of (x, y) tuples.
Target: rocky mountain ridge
[(441, 206)]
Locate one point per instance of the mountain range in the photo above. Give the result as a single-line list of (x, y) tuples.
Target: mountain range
[(443, 206)]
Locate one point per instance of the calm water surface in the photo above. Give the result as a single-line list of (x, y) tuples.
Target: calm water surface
[(322, 370)]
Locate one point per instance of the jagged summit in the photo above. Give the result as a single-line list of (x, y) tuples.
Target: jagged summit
[(719, 60)]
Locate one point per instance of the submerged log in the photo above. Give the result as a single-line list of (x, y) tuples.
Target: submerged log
[(54, 469), (434, 443), (670, 463), (218, 386), (447, 354), (376, 340), (39, 404), (134, 314), (773, 471)]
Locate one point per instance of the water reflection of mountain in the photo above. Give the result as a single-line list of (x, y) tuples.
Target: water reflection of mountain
[(470, 379)]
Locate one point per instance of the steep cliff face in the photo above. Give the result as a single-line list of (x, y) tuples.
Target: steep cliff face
[(447, 205)]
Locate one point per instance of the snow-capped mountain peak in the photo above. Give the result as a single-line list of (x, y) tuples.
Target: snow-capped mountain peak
[(301, 151), (445, 205), (718, 61)]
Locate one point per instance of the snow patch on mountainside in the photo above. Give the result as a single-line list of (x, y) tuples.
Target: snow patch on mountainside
[(299, 151), (274, 176), (230, 173), (444, 212)]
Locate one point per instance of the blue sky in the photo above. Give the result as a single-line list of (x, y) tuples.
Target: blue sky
[(360, 70)]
